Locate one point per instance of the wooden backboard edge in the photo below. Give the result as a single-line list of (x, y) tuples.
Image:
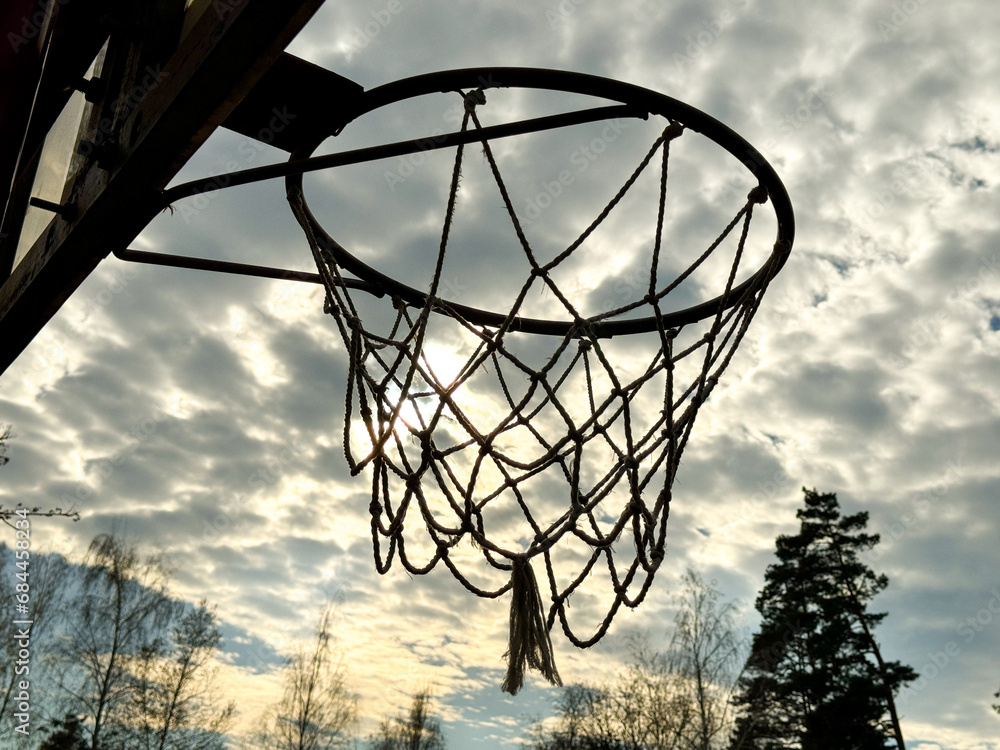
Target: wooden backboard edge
[(231, 47)]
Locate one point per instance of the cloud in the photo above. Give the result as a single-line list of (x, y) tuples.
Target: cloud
[(205, 412)]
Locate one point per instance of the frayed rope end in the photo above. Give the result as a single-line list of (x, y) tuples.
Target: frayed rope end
[(529, 644)]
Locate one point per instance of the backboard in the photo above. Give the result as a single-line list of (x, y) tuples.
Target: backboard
[(103, 102)]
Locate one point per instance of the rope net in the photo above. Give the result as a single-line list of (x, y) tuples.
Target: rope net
[(516, 460)]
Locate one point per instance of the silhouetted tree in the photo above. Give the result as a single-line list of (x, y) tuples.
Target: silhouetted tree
[(176, 705), (120, 612), (6, 433), (131, 670), (707, 651), (815, 677), (65, 734), (675, 699), (418, 730), (316, 710)]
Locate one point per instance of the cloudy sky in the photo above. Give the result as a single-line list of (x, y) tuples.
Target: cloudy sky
[(203, 413)]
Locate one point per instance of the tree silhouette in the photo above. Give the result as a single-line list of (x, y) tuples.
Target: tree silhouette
[(316, 710), (677, 699), (122, 666), (418, 730), (6, 433), (65, 734), (175, 705), (815, 677), (707, 651), (120, 611)]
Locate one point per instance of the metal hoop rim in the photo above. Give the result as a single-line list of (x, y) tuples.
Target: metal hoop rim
[(646, 100)]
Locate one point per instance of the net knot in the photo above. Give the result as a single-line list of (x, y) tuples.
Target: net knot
[(375, 508), (427, 448), (673, 130), (473, 99), (758, 195)]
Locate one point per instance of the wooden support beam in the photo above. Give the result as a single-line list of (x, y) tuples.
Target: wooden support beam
[(172, 111), (297, 95), (66, 37)]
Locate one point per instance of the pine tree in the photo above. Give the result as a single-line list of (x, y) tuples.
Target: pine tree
[(815, 678)]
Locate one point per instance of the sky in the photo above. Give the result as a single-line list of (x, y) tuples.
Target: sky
[(203, 413)]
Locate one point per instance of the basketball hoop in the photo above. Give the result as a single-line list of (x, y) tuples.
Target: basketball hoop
[(474, 455)]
